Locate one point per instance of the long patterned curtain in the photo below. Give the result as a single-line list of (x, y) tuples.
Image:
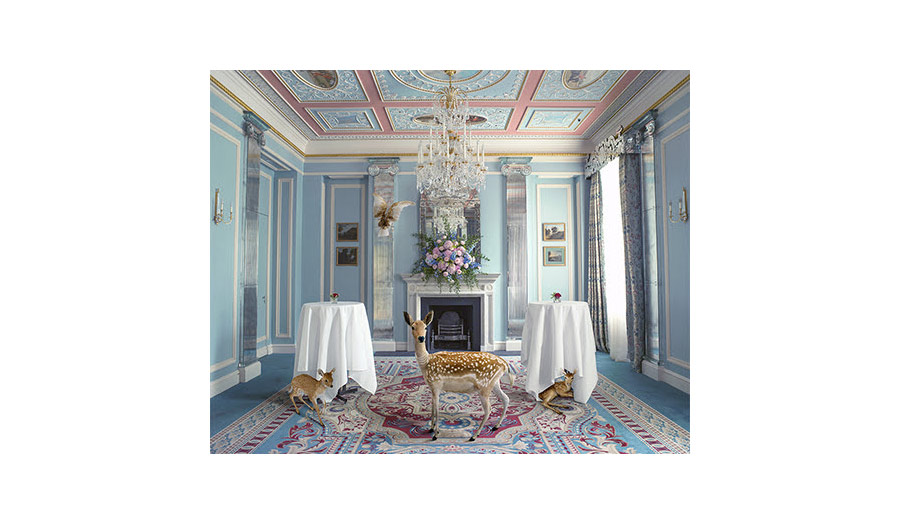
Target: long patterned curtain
[(632, 224), (596, 282)]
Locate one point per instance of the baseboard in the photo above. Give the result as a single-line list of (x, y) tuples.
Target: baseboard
[(659, 373), (264, 351), (388, 345), (221, 384), (250, 372), (511, 345), (282, 348)]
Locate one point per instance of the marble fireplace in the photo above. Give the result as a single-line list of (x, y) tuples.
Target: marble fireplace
[(478, 300)]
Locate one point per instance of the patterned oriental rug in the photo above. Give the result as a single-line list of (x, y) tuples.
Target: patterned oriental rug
[(396, 418)]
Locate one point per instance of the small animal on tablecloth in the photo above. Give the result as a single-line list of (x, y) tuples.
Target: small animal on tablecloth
[(388, 214), (312, 388), (562, 388)]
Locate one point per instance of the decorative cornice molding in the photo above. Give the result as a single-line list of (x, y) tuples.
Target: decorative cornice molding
[(515, 165), (606, 151), (388, 165), (621, 142)]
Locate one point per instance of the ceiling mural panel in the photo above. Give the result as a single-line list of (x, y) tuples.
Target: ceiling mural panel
[(576, 84), (311, 85), (554, 119), (362, 119), (405, 85), (402, 118)]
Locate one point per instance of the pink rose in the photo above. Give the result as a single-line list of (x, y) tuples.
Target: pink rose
[(447, 245), (445, 273), (436, 252), (466, 265)]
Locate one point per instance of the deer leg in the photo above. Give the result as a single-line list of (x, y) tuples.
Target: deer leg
[(435, 399), (316, 407), (505, 400), (486, 403), (290, 396), (545, 401), (568, 394)]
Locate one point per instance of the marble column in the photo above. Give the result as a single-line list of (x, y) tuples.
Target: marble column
[(254, 130), (383, 170), (515, 169)]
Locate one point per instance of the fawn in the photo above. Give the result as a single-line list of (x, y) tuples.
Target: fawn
[(459, 372), (313, 388), (558, 389)]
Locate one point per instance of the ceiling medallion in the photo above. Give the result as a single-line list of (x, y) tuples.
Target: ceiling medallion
[(321, 79), (451, 161), (580, 78)]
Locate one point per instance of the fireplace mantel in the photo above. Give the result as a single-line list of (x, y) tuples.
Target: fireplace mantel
[(416, 289)]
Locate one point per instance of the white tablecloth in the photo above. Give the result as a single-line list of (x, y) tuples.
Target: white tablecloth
[(556, 337), (336, 336)]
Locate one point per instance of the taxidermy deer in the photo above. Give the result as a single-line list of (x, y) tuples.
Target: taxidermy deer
[(387, 215), (459, 372), (312, 388), (562, 388)]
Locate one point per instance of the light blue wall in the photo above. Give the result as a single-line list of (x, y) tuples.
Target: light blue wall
[(344, 203), (227, 169), (672, 146), (556, 199), (228, 148)]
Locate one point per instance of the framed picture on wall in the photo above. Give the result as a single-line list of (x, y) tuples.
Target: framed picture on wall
[(347, 231), (554, 255), (554, 231), (346, 256)]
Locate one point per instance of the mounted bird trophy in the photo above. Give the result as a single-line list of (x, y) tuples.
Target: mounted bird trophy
[(388, 214)]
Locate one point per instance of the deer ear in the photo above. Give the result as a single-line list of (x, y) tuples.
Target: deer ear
[(332, 371), (429, 317), (406, 317), (320, 372)]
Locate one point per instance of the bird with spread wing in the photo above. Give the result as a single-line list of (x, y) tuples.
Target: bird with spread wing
[(388, 214)]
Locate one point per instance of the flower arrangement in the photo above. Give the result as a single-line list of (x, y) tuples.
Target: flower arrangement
[(556, 296), (449, 259), (334, 297)]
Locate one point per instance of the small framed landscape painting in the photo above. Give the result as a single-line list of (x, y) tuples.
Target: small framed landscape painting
[(554, 255), (347, 231), (554, 231), (346, 256)]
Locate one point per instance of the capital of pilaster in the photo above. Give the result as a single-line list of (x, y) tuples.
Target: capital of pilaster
[(386, 165), (255, 128), (515, 165)]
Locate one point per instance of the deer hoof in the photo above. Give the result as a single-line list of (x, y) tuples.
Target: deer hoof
[(472, 439), (495, 428), (434, 437)]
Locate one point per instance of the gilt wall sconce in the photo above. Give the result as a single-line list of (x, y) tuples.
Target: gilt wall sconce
[(219, 213), (682, 208)]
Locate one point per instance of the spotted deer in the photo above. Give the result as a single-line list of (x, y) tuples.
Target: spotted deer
[(562, 388), (312, 388), (459, 372)]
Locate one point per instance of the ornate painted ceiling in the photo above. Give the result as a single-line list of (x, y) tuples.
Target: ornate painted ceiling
[(525, 107)]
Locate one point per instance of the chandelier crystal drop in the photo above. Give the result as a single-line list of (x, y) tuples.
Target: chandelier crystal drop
[(451, 161)]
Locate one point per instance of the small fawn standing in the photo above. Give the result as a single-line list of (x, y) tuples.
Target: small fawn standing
[(558, 389), (313, 388), (459, 372)]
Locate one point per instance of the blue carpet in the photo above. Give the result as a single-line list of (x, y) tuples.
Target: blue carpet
[(231, 404)]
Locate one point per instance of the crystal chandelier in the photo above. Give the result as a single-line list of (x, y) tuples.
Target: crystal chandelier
[(451, 161)]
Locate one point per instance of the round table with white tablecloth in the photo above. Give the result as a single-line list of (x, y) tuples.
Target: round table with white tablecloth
[(336, 335), (559, 336)]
